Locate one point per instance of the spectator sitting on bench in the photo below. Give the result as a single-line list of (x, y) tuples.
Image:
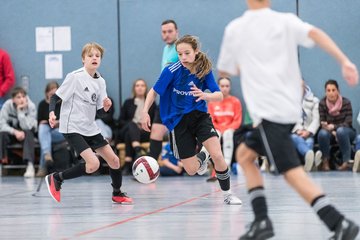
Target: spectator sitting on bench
[(356, 167), (18, 124), (47, 135), (171, 166), (336, 126)]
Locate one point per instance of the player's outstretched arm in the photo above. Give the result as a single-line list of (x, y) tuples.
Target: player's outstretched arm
[(145, 118), (349, 70)]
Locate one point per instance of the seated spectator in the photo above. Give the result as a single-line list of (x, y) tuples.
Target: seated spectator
[(130, 125), (18, 124), (226, 116), (46, 134), (356, 167), (106, 123), (307, 127), (170, 166), (336, 126)]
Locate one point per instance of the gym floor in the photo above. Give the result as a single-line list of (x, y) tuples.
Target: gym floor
[(170, 208)]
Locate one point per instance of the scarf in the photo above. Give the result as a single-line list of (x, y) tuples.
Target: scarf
[(334, 108)]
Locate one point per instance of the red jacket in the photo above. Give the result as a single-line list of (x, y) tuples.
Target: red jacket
[(226, 114), (7, 75)]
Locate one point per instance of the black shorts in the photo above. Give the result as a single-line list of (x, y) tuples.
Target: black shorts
[(81, 143), (273, 141), (157, 118), (194, 127)]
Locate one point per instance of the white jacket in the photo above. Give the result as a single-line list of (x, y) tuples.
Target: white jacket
[(310, 120)]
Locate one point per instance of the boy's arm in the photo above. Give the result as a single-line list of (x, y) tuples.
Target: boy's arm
[(349, 69), (4, 118), (145, 118)]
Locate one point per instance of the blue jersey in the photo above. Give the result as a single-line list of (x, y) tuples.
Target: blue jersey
[(176, 99)]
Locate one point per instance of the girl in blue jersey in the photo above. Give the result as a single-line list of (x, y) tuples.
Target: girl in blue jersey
[(183, 110)]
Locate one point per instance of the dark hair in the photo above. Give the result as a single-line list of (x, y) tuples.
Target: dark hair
[(134, 83), (169, 21), (332, 82), (202, 64), (18, 90), (221, 78), (51, 85)]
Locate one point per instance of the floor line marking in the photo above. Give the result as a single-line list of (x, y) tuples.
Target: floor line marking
[(147, 213)]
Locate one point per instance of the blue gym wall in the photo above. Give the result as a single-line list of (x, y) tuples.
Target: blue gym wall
[(140, 41)]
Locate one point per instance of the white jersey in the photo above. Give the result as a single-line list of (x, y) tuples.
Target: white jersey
[(262, 46), (82, 95)]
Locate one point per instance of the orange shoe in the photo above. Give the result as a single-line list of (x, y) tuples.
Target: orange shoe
[(121, 198), (53, 186)]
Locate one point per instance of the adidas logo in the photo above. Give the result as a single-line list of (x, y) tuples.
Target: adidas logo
[(212, 130), (191, 83), (86, 89)]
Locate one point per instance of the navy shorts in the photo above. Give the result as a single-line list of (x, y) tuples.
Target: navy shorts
[(81, 143), (194, 127), (273, 140)]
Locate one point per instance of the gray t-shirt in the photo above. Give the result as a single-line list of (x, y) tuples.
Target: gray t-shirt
[(82, 95)]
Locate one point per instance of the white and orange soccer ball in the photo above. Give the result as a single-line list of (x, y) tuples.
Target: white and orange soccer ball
[(146, 169)]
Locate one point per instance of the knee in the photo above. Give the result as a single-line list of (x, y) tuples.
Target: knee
[(92, 166), (323, 134), (115, 163)]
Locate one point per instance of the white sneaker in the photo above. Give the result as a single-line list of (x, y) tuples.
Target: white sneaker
[(318, 156), (309, 160), (204, 164), (230, 199), (356, 166), (30, 171)]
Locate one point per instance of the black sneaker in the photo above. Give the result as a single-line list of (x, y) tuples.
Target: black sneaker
[(259, 230), (345, 230)]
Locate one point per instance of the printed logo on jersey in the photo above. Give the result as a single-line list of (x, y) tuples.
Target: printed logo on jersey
[(183, 93), (86, 89), (191, 83), (94, 97), (212, 130)]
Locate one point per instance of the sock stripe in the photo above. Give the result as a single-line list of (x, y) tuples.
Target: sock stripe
[(223, 175), (321, 203), (256, 194)]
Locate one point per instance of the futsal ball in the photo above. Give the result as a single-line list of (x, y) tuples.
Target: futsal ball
[(146, 169)]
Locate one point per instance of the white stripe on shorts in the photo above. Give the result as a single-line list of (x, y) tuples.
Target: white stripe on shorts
[(273, 167), (175, 149)]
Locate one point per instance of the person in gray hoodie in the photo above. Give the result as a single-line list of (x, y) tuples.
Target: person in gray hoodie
[(305, 129), (18, 123)]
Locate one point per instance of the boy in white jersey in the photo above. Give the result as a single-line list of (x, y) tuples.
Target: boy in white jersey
[(83, 95), (262, 46)]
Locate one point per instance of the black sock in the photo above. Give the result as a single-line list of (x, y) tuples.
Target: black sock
[(224, 179), (138, 150), (74, 172), (155, 148), (327, 213), (116, 179), (258, 202)]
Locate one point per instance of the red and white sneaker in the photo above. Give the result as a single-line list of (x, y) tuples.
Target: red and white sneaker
[(121, 198), (53, 187)]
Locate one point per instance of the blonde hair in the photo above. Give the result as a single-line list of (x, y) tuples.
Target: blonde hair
[(202, 64), (92, 45)]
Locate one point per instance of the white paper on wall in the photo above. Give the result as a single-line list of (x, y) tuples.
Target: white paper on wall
[(53, 66), (62, 38), (44, 39)]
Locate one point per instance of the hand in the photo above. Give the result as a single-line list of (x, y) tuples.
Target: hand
[(52, 119), (305, 134), (20, 135), (107, 104), (324, 124), (331, 127), (350, 73), (22, 105), (145, 121), (196, 92)]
